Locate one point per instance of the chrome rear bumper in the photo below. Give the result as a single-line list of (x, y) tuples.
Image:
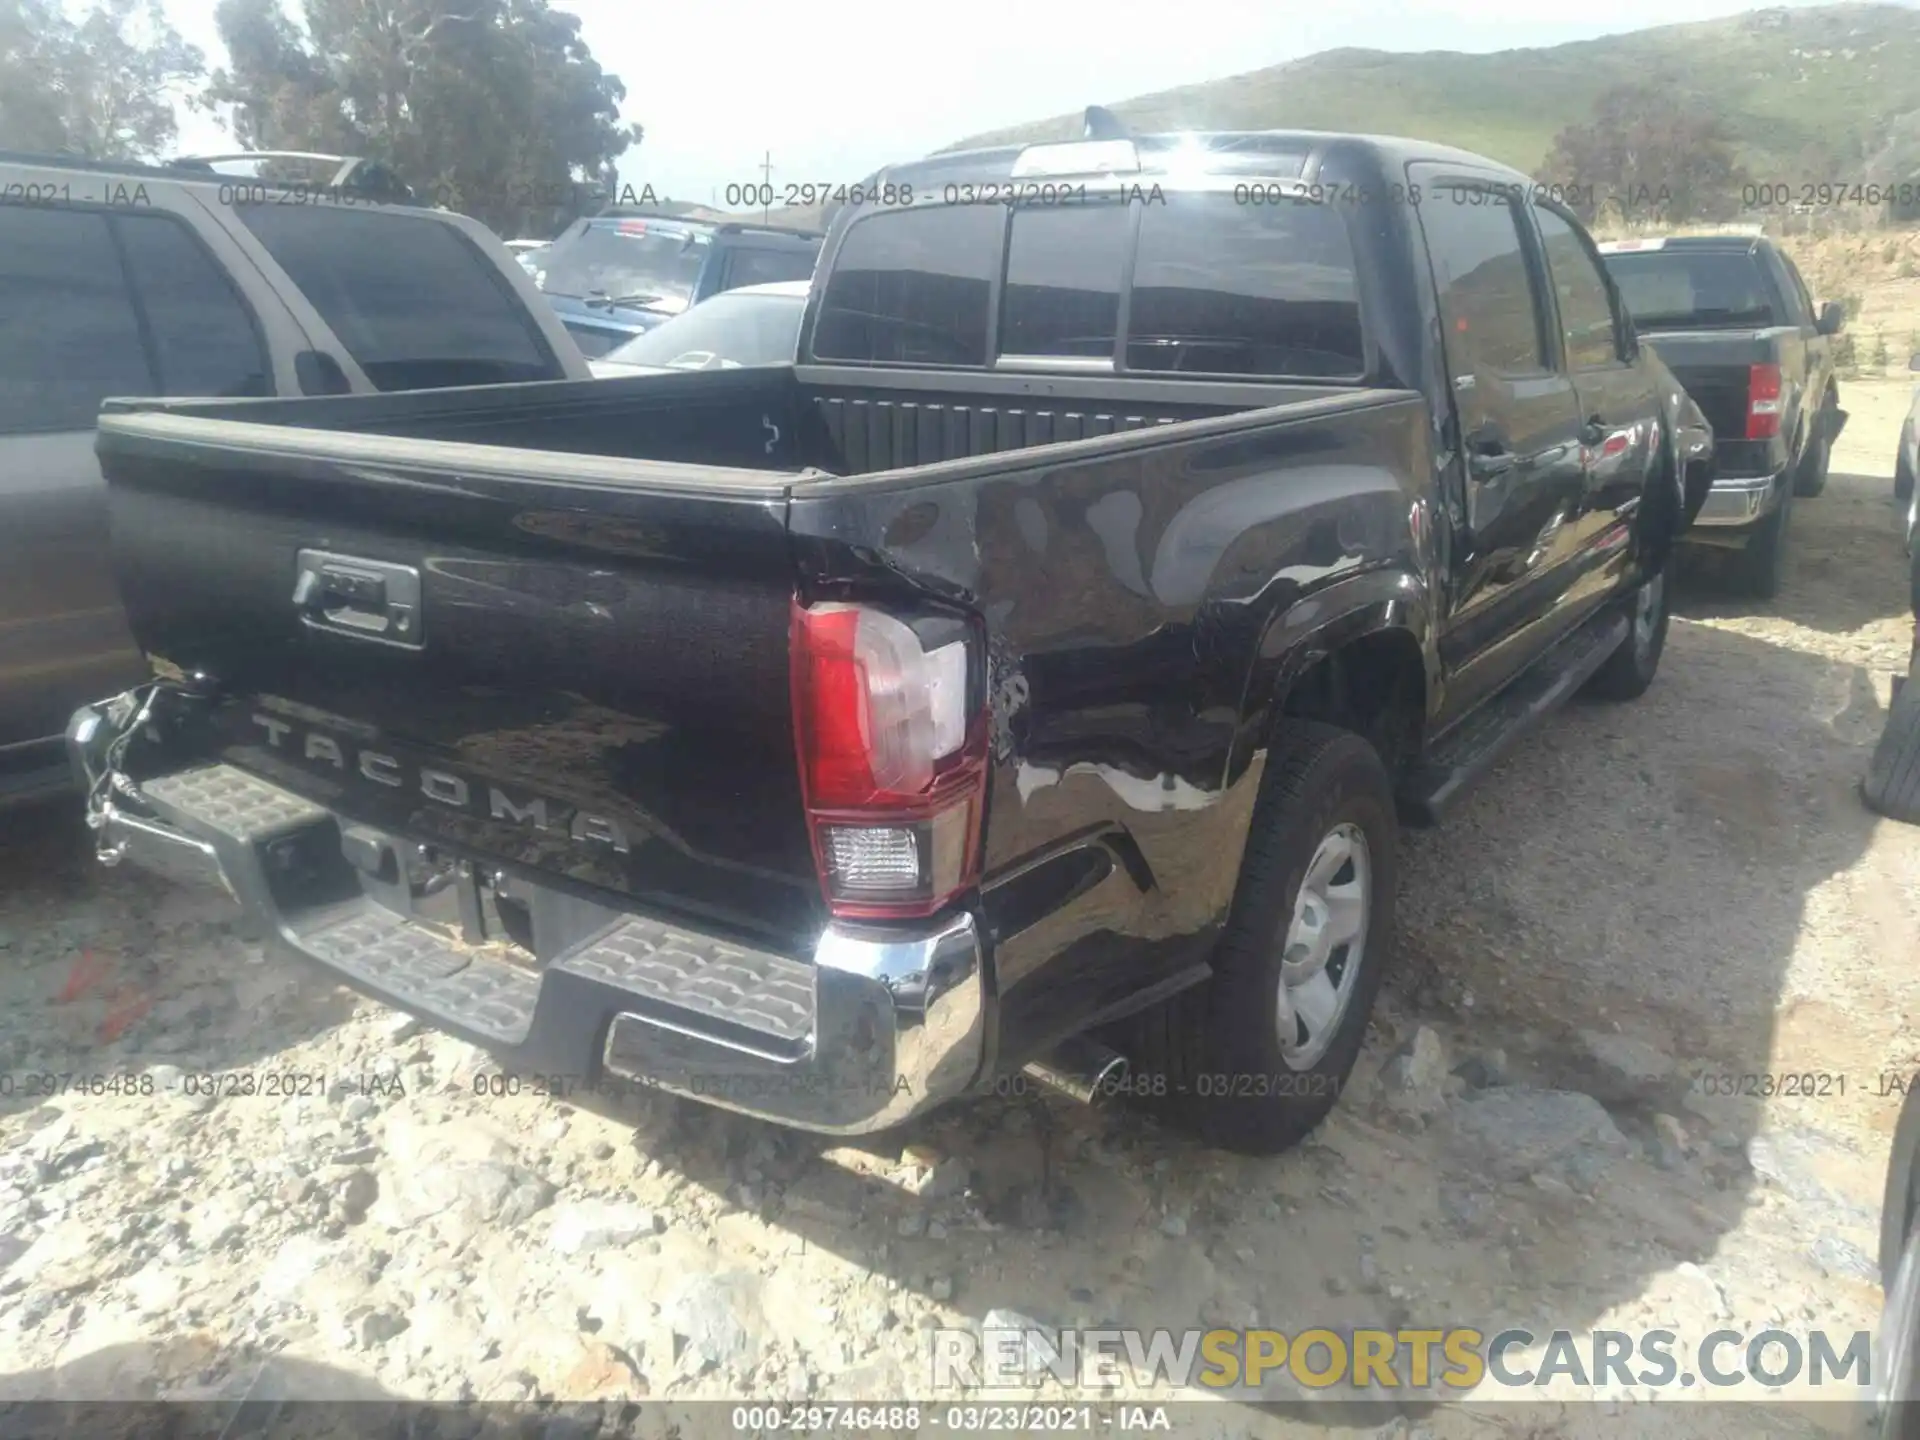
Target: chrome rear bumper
[(872, 1027), (1738, 502)]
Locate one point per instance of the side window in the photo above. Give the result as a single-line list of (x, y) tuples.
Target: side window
[(69, 335), (1062, 295), (204, 341), (911, 287), (766, 267), (413, 300), (1488, 304), (1808, 314), (1223, 288), (1593, 339)]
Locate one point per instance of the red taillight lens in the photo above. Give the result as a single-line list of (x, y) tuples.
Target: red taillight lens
[(1763, 402), (892, 750)]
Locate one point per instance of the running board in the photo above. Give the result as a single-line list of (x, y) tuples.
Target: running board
[(1466, 754)]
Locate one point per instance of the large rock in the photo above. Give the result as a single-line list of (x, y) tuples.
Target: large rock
[(717, 1319), (580, 1227), (1516, 1130), (1413, 1083), (1620, 1069)]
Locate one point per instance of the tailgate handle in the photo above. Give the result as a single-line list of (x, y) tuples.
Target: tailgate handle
[(365, 599)]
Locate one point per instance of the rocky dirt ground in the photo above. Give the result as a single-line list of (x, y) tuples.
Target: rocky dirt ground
[(1646, 903)]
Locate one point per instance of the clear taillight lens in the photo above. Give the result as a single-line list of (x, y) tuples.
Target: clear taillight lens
[(891, 738)]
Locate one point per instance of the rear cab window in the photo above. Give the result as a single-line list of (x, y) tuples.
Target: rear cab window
[(1696, 288), (415, 302), (1214, 288)]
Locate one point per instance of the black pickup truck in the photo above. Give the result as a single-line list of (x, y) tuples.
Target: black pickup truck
[(1732, 318), (1025, 682)]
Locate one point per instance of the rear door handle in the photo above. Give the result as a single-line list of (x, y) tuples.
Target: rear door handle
[(1488, 455)]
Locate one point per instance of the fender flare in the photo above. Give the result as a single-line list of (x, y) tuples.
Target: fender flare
[(1384, 600)]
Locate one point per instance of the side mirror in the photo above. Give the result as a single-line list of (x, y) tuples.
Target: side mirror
[(1832, 316), (1914, 363)]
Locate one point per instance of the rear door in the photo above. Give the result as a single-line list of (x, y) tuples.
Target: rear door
[(413, 301), (95, 301), (1619, 403), (1517, 432)]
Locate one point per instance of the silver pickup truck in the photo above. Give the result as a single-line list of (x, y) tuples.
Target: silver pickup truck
[(126, 280)]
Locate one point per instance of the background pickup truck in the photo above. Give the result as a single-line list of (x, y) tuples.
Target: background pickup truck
[(1733, 320), (1028, 678)]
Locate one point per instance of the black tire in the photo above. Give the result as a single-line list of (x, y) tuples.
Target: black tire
[(1218, 1045), (1761, 567), (1892, 787), (1810, 476), (1896, 1366), (1902, 471), (1630, 669)]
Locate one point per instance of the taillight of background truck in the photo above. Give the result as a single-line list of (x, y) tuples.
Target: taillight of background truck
[(892, 740), (1763, 402)]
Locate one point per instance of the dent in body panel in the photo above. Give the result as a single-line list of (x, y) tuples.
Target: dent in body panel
[(1126, 597)]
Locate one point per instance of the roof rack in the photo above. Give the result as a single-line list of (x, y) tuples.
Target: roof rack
[(723, 227), (350, 172)]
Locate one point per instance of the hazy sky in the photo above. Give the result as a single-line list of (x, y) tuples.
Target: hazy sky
[(835, 88)]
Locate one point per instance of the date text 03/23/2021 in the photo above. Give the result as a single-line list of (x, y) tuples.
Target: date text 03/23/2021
[(961, 1419)]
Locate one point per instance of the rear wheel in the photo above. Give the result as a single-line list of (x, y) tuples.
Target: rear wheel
[(1760, 568), (1257, 1056), (1630, 670)]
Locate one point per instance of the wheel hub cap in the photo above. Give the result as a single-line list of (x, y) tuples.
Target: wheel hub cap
[(1325, 940)]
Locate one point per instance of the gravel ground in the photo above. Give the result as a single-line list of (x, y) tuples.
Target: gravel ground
[(1647, 903)]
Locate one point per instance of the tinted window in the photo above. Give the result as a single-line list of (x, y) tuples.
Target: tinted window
[(764, 267), (732, 329), (415, 302), (1693, 289), (910, 287), (68, 334), (203, 340), (1486, 294), (1062, 295), (1585, 312), (1795, 290), (1230, 289), (634, 260)]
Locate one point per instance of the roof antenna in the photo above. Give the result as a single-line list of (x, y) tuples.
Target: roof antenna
[(1103, 124)]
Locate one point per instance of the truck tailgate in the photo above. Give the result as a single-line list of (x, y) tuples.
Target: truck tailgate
[(558, 661)]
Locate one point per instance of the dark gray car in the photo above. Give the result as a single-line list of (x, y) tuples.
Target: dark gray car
[(131, 280)]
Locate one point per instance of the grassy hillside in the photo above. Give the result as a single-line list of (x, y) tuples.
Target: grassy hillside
[(1800, 90)]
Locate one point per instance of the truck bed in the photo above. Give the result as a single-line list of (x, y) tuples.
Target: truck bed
[(603, 575), (788, 420)]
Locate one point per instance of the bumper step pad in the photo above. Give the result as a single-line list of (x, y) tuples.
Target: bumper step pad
[(708, 979), (231, 801), (490, 997)]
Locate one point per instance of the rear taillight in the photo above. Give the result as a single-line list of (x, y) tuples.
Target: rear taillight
[(1763, 402), (890, 724)]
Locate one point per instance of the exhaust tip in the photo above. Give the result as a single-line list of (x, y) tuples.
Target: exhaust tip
[(1081, 1069)]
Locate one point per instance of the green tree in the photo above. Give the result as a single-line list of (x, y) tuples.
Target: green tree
[(493, 107), (1647, 155), (100, 87)]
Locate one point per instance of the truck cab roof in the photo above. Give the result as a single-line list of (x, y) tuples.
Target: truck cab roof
[(1174, 155)]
